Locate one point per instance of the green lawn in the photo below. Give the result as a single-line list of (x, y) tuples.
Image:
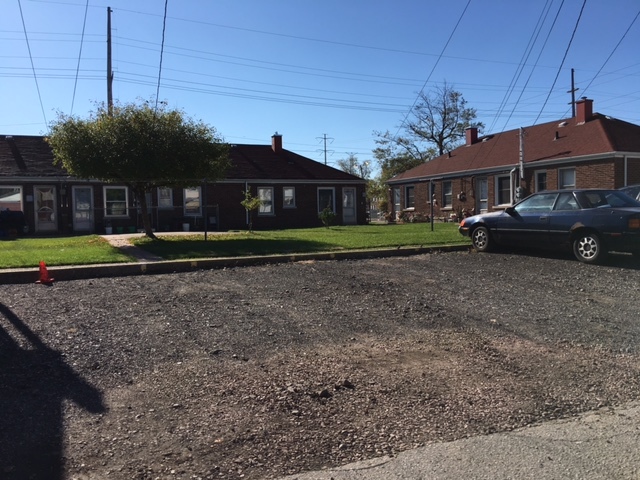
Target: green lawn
[(304, 240), (92, 249), (29, 252)]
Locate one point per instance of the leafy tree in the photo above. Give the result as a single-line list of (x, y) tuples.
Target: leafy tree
[(250, 203), (396, 155), (140, 147)]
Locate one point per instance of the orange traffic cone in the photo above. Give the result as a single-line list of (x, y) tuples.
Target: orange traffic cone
[(44, 275)]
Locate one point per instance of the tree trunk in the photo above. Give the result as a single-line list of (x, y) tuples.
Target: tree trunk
[(146, 220)]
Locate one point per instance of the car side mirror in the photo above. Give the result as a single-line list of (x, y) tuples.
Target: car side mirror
[(510, 210)]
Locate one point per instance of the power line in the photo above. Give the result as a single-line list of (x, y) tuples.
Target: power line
[(566, 52), (75, 84), (35, 77), (164, 25)]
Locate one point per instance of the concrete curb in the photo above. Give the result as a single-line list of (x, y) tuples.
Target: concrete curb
[(78, 272)]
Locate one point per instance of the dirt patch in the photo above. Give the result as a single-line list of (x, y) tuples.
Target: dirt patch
[(260, 372)]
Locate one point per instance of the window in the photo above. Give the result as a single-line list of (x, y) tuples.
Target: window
[(409, 197), (566, 201), (289, 197), (192, 202), (116, 201), (541, 180), (482, 187), (265, 194), (447, 194), (396, 199), (567, 178), (503, 190), (165, 197), (11, 198), (537, 203), (326, 198)]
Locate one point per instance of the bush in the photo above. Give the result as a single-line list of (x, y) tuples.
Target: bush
[(327, 216)]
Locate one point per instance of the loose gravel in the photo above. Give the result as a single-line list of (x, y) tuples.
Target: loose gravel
[(260, 372)]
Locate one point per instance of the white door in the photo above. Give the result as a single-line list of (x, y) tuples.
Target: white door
[(46, 211), (349, 206), (82, 209)]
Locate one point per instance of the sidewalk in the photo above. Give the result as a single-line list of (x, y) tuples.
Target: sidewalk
[(597, 445)]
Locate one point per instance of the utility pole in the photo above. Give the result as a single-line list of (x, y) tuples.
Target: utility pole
[(573, 93), (109, 70), (324, 138)]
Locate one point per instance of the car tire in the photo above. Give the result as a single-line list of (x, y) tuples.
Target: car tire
[(481, 239), (588, 248)]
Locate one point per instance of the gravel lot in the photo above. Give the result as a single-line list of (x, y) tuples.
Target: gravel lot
[(261, 372)]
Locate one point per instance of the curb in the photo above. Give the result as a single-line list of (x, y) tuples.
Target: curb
[(80, 272)]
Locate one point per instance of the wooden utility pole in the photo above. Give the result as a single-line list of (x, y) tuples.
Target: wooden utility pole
[(109, 70)]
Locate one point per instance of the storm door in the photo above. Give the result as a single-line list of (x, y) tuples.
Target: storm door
[(46, 212), (83, 209), (349, 206)]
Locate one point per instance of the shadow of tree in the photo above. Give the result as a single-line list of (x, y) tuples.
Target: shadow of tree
[(34, 383)]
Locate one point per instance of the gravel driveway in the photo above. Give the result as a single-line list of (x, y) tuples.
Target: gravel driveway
[(260, 372)]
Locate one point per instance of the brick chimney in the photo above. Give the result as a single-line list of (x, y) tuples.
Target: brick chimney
[(584, 110), (276, 142), (472, 135)]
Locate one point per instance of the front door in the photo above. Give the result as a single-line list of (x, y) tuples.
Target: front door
[(349, 206), (46, 212), (83, 209)]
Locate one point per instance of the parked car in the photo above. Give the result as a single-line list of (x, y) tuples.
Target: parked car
[(632, 190), (591, 222)]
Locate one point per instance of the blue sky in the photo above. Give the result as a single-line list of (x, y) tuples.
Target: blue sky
[(306, 69)]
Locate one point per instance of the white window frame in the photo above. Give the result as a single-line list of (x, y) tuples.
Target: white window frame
[(292, 196), (190, 212), (165, 202), (561, 183), (333, 199), (536, 175), (20, 203), (106, 202), (497, 180), (265, 194)]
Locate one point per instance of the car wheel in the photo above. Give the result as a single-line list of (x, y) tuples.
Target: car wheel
[(588, 248), (481, 239)]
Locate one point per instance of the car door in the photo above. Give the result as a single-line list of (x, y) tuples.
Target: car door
[(527, 223), (566, 212)]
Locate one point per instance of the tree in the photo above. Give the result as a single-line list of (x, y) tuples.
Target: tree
[(440, 118), (250, 203), (140, 147), (436, 124), (352, 165)]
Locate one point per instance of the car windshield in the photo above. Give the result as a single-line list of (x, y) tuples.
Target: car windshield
[(606, 199), (633, 192)]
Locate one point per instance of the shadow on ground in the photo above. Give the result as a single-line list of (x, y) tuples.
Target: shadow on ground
[(34, 383)]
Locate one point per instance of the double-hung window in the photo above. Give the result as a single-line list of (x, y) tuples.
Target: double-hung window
[(192, 202), (503, 190), (541, 180), (11, 198), (165, 197), (265, 194), (326, 199), (447, 194), (289, 197), (566, 178), (409, 196), (116, 201)]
